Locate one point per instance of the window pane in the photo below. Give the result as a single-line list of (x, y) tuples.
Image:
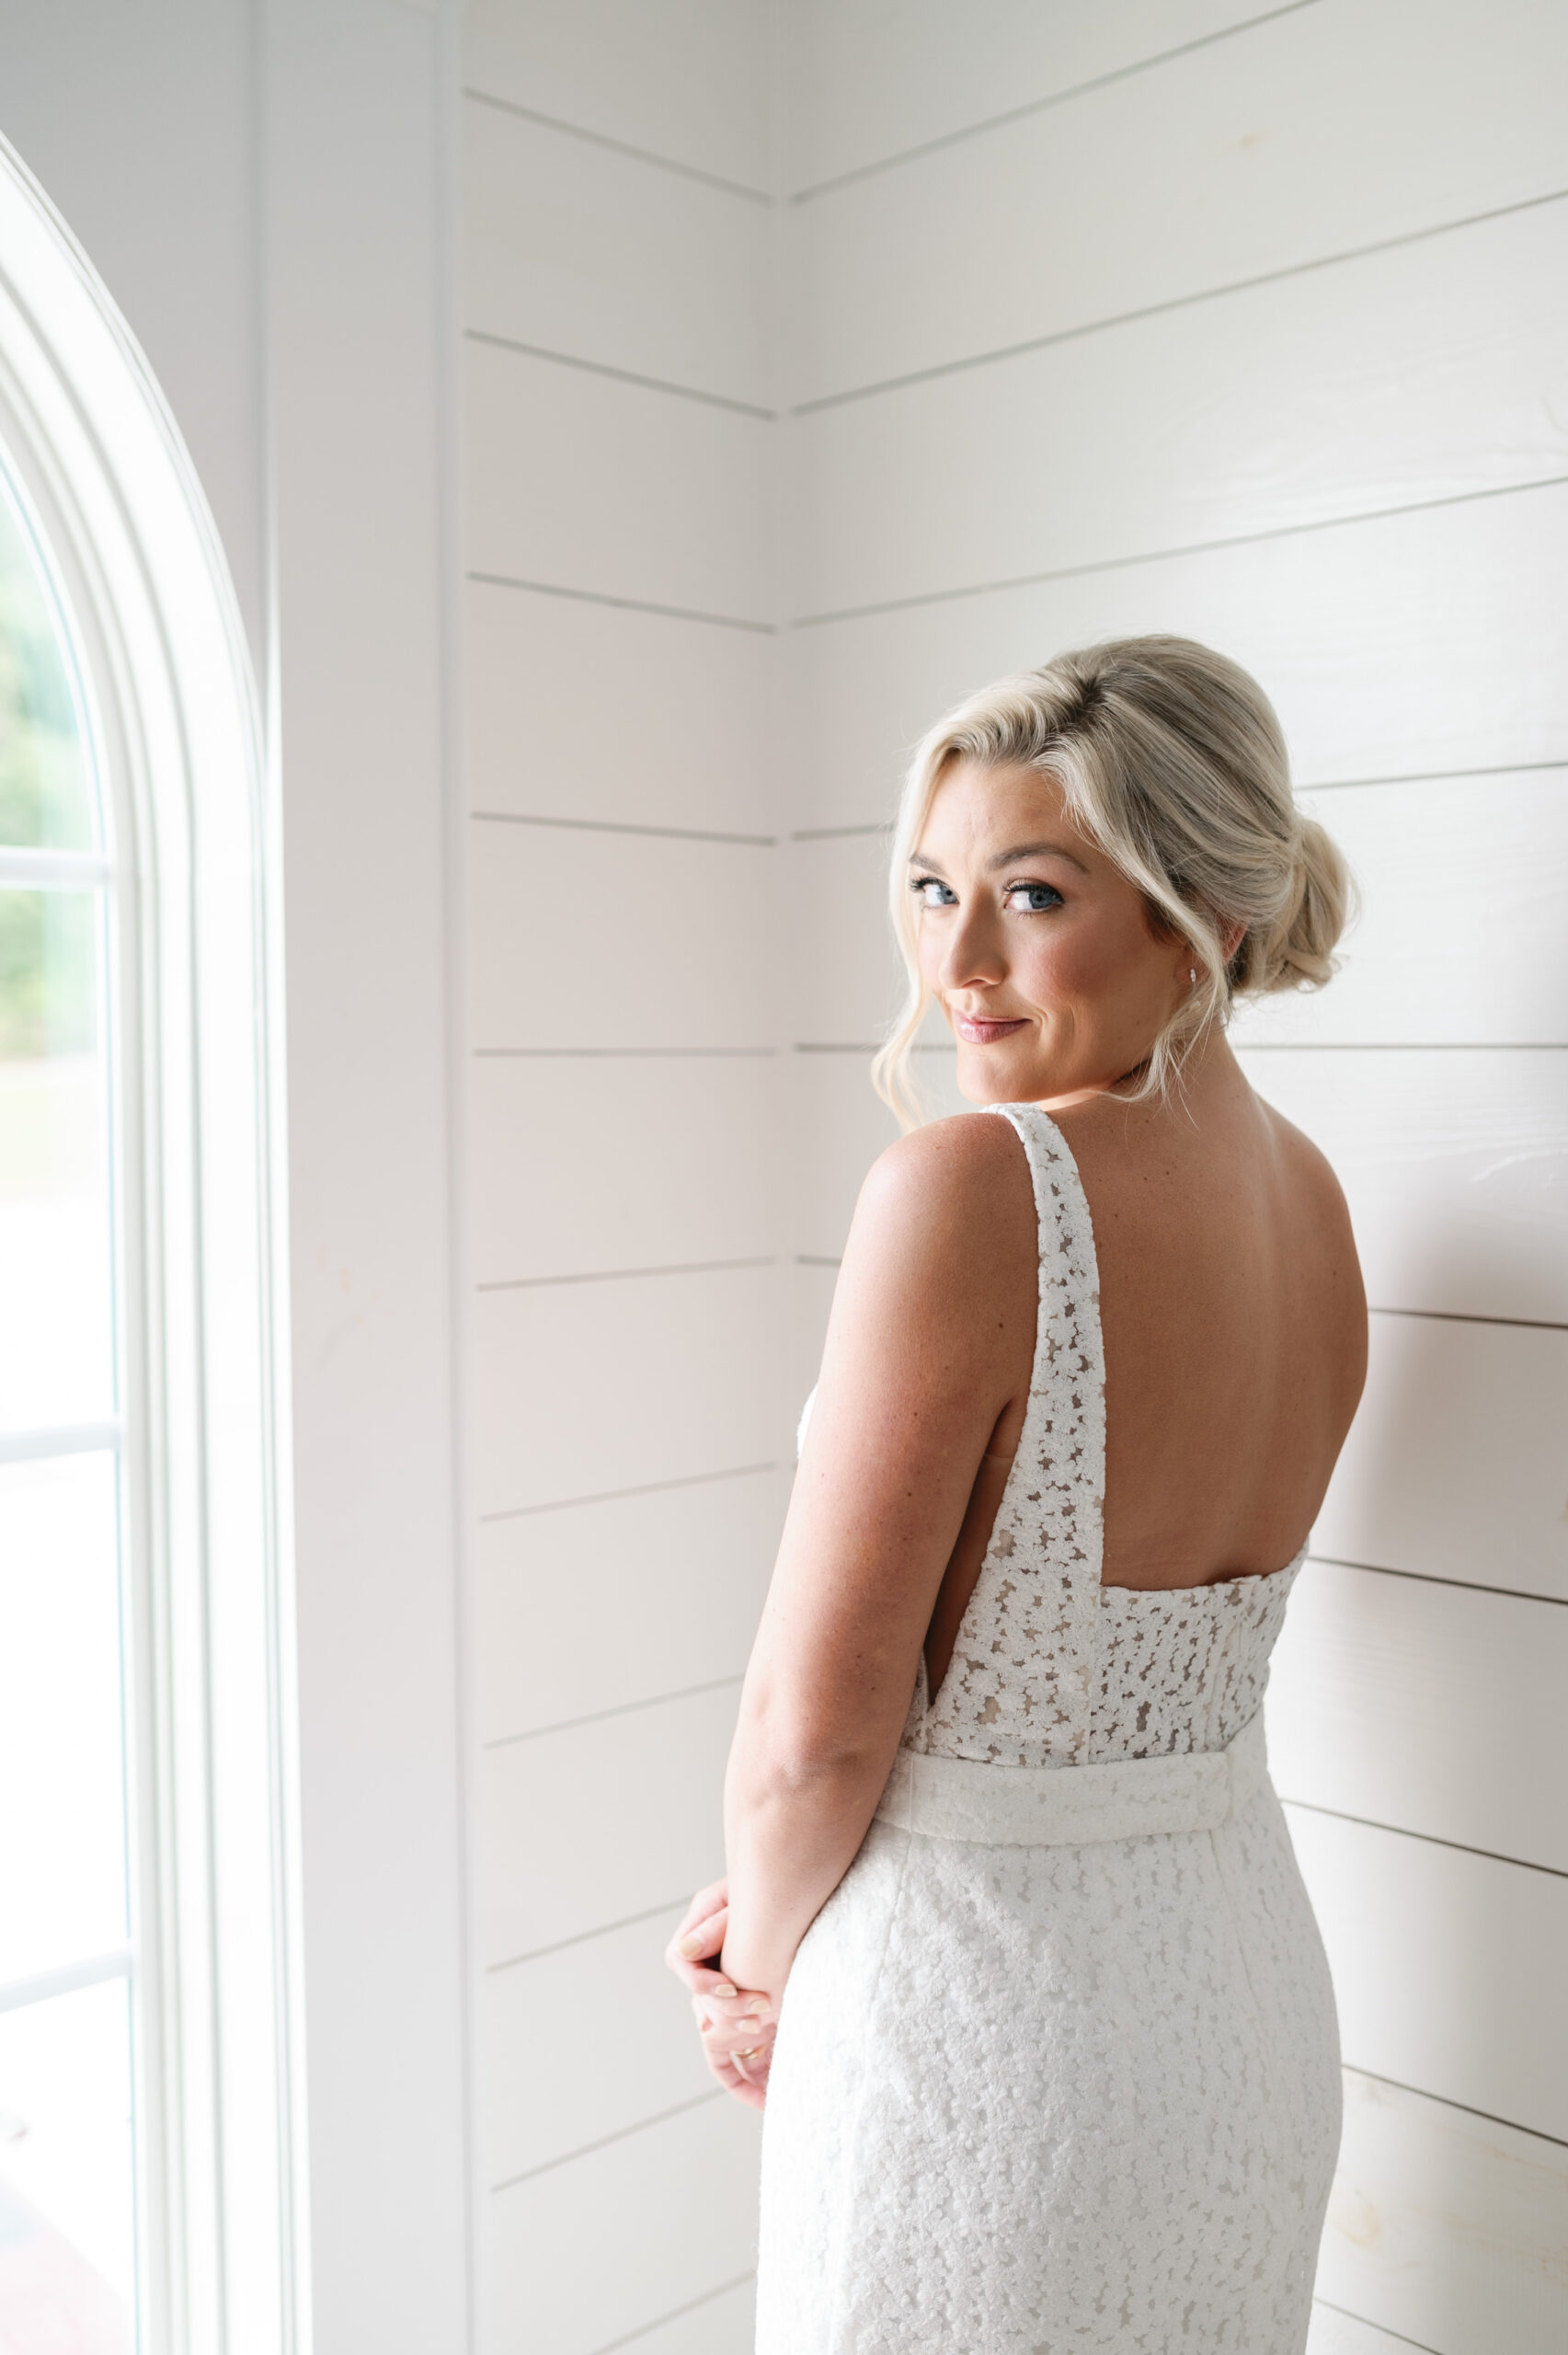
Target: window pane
[(57, 1365), (62, 1876), (67, 2203), (46, 799)]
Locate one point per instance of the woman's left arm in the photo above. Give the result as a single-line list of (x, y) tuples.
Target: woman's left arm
[(930, 1331)]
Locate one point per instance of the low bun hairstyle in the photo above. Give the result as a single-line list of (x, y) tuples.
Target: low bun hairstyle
[(1172, 759), (1299, 952)]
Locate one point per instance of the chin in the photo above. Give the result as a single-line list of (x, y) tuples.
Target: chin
[(991, 1076)]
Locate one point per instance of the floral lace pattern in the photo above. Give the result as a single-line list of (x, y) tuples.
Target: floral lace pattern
[(1043, 2100)]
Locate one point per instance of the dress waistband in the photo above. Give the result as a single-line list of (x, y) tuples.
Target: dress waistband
[(1068, 1806)]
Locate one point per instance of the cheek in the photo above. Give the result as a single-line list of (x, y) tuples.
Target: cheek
[(1067, 960), (1108, 956)]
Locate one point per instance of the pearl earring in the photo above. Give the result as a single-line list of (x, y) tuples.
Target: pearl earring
[(1192, 972)]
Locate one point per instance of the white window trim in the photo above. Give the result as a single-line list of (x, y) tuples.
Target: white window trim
[(206, 1436)]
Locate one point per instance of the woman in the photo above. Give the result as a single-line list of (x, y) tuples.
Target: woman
[(1056, 2063)]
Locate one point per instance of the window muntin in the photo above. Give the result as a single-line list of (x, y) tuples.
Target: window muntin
[(68, 2193)]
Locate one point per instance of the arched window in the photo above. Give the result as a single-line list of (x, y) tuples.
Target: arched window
[(148, 2048), (67, 2171)]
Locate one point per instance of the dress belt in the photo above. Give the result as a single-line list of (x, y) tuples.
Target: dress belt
[(1068, 1806)]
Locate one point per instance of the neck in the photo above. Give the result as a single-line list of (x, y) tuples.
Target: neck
[(1209, 1065)]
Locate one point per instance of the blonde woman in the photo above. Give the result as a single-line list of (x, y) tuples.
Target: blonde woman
[(1056, 2065)]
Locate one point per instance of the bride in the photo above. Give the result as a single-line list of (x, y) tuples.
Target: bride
[(1013, 1944)]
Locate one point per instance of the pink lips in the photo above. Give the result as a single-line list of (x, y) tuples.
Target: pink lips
[(978, 1033)]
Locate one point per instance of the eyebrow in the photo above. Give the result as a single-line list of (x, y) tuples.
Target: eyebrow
[(1011, 857)]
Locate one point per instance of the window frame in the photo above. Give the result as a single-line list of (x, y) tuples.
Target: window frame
[(192, 971)]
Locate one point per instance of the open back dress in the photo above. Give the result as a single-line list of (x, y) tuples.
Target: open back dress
[(1056, 2067)]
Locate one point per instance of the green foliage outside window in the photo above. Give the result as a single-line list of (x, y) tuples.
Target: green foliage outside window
[(48, 973), (48, 983)]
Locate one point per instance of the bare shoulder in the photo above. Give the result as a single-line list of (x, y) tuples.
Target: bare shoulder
[(966, 1166), (955, 1196), (1308, 1173)]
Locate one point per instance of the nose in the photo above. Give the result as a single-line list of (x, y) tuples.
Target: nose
[(972, 955)]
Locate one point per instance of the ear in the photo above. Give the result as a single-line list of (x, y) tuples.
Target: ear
[(1231, 934)]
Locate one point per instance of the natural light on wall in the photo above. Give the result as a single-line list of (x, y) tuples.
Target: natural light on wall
[(67, 2203)]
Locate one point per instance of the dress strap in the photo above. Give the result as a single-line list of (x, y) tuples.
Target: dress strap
[(1025, 1659), (1065, 1418)]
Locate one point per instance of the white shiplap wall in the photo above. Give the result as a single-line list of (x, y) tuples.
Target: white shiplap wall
[(1179, 316), (628, 1303)]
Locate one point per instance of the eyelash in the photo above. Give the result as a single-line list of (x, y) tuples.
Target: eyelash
[(921, 884)]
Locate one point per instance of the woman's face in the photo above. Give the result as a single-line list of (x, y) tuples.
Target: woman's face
[(1038, 949)]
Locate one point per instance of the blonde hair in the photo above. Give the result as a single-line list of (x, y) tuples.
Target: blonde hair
[(1172, 760)]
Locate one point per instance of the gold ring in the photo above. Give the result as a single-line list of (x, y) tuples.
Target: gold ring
[(752, 2052)]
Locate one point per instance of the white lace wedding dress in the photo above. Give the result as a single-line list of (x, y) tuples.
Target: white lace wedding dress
[(1057, 2067)]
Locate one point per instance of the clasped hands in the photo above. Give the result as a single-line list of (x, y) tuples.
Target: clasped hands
[(737, 2027)]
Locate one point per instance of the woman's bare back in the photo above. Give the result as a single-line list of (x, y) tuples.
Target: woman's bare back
[(1235, 1330), (1235, 1336)]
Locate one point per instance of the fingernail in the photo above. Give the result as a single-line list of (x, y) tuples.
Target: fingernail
[(691, 1946), (721, 1987)]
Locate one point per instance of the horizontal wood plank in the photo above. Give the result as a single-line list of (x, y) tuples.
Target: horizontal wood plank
[(556, 690), (725, 2324), (846, 977), (1432, 859), (689, 84), (584, 1390), (585, 483), (1455, 1463), (1406, 647), (1428, 373), (843, 1125), (1333, 2333), (863, 83), (585, 1165), (615, 941), (670, 1585), (596, 2251), (585, 2043), (1444, 2229), (1447, 1966), (1433, 1708), (1267, 154), (580, 1830), (577, 248), (1455, 1164)]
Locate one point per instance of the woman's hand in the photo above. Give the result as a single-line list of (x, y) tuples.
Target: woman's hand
[(737, 2029)]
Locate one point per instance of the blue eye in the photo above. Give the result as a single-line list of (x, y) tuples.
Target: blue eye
[(1038, 897), (932, 893)]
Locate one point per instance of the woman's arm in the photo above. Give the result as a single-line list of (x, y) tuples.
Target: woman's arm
[(932, 1336)]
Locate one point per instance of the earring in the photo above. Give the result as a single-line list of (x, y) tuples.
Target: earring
[(1192, 972)]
